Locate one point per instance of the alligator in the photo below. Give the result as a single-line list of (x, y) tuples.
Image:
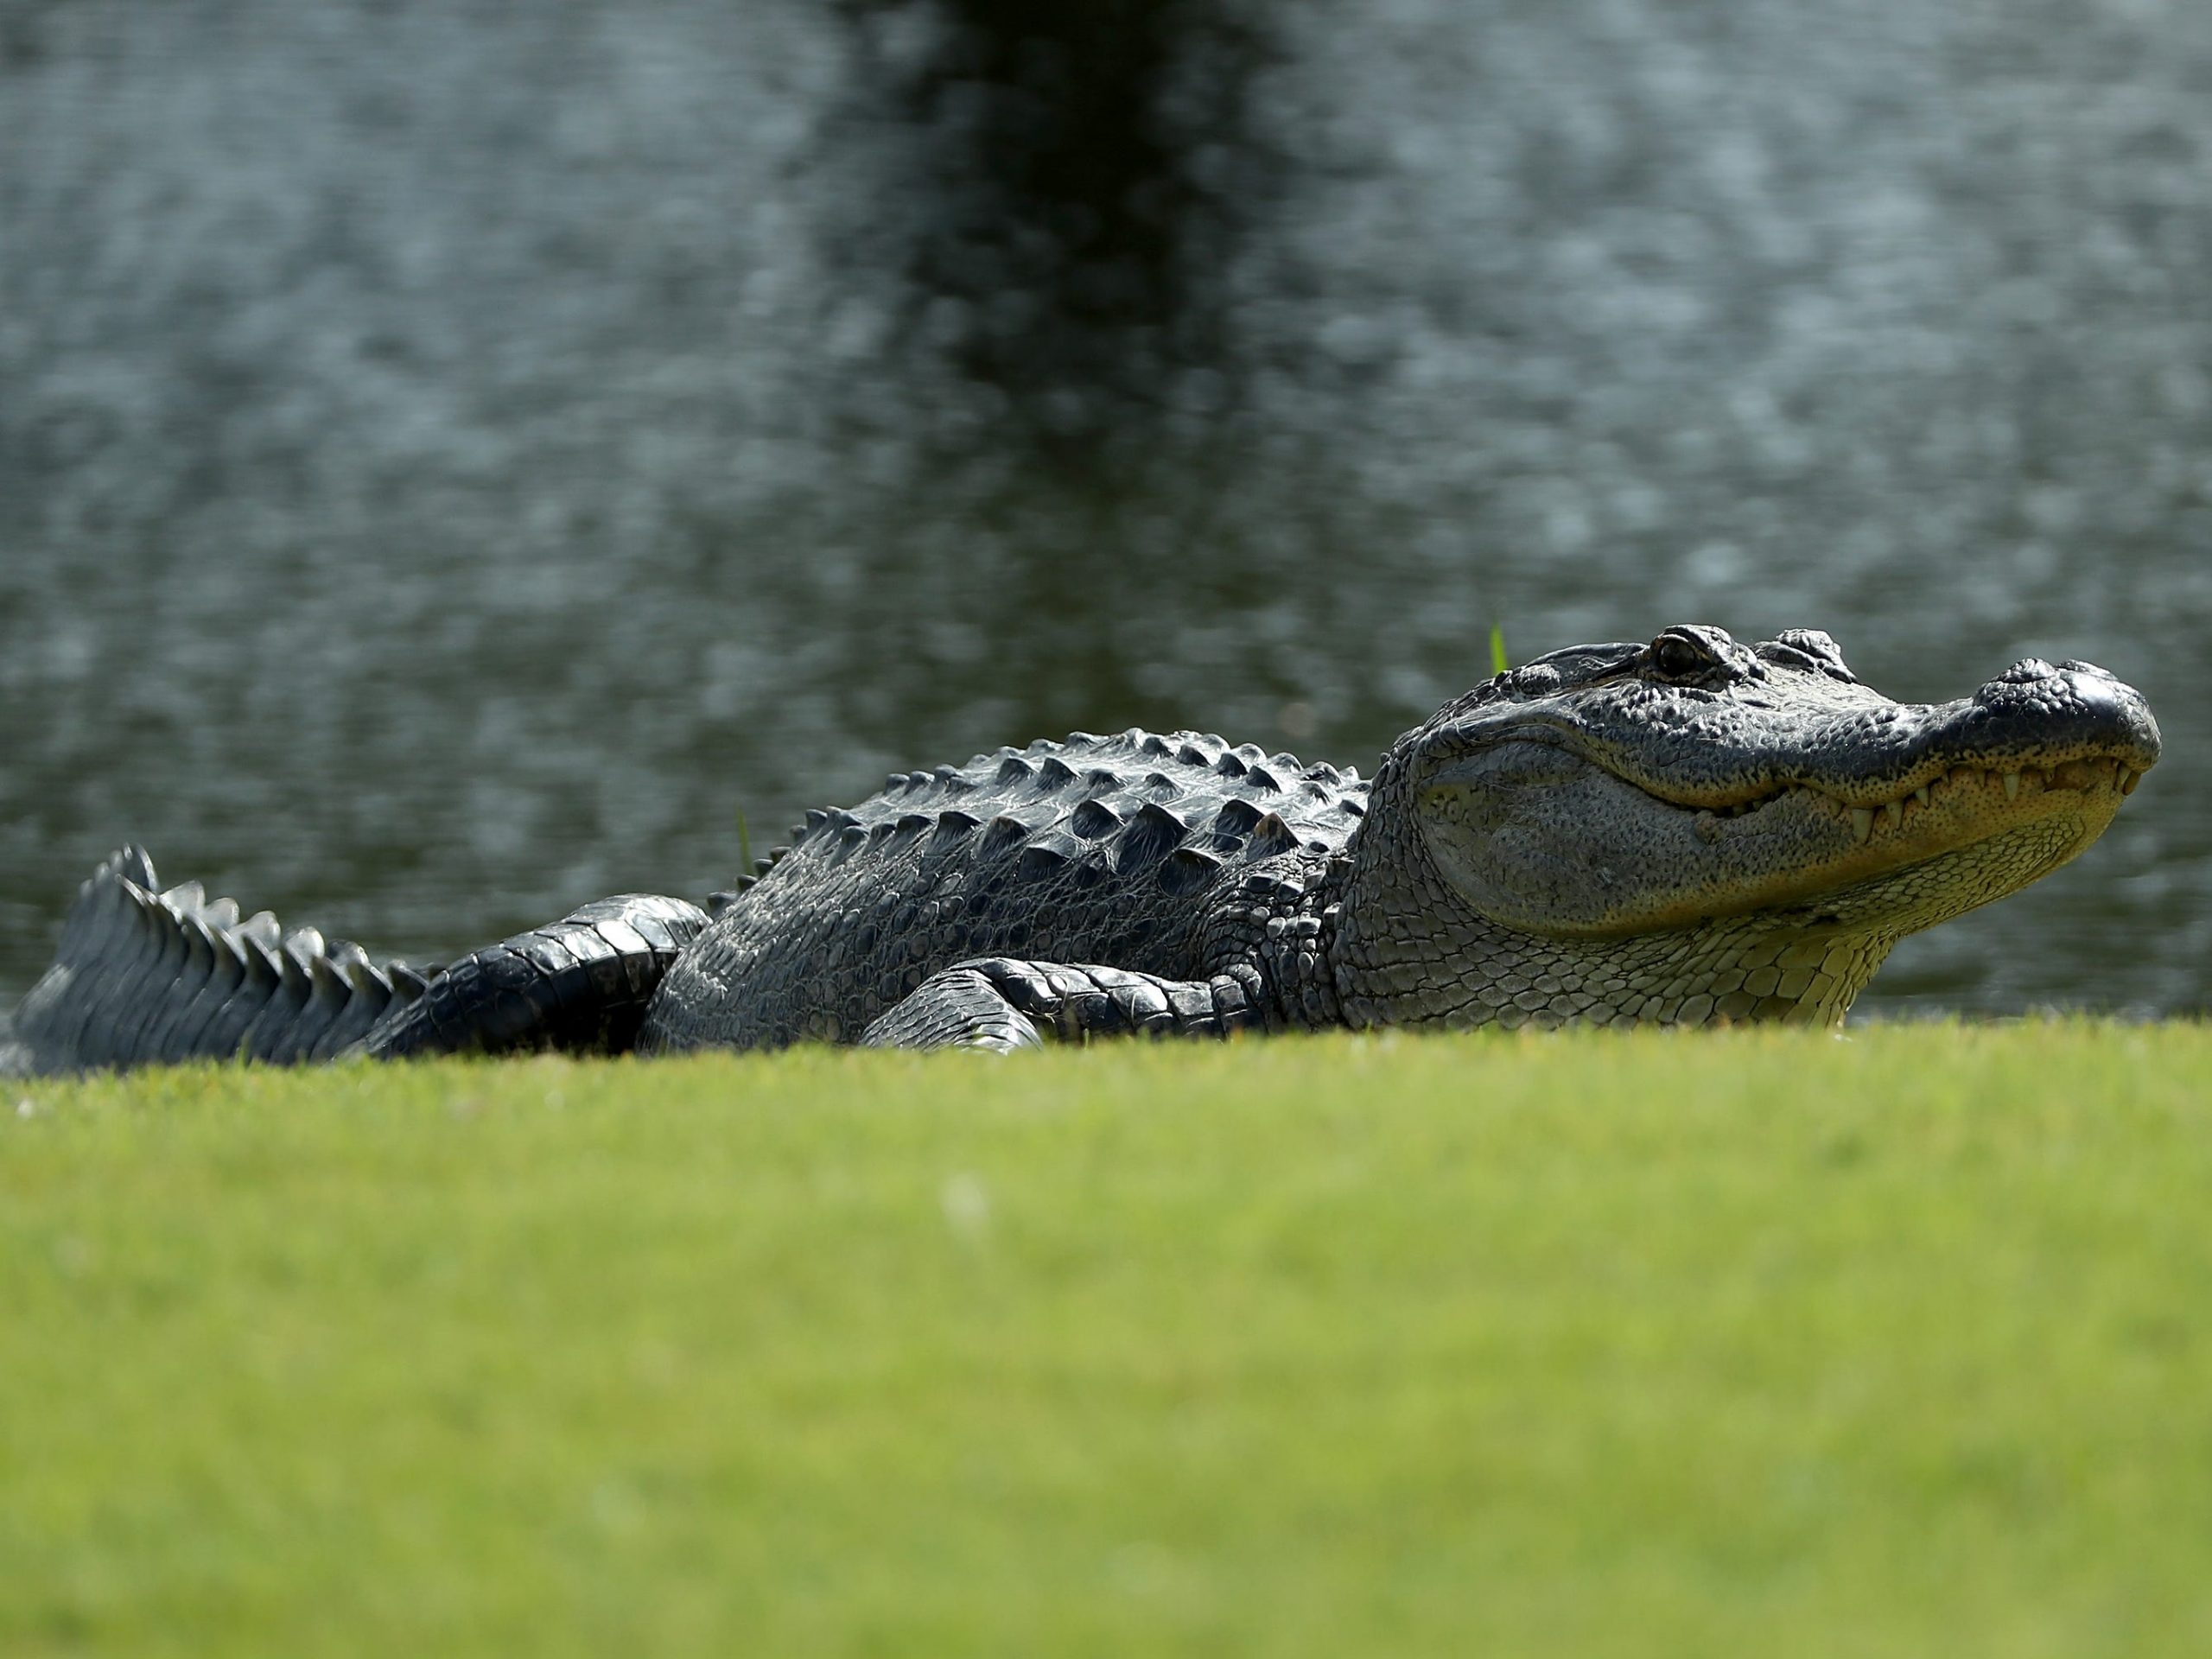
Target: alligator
[(1687, 832)]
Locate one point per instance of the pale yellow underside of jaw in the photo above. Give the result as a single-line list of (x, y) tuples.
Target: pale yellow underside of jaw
[(1833, 844)]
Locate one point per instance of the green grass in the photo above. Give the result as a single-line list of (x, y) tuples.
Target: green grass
[(1745, 1344)]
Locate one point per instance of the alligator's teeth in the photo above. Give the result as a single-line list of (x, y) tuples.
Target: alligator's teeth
[(2011, 785), (1862, 823), (2128, 781), (1921, 794), (1894, 812)]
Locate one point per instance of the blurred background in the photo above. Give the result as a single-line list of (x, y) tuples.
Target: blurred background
[(454, 456)]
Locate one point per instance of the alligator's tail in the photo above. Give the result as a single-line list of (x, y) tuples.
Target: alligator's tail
[(147, 978)]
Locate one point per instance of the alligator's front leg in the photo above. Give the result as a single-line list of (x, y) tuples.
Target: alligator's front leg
[(1002, 1004)]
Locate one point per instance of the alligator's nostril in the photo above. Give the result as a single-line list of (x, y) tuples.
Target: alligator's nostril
[(2031, 668)]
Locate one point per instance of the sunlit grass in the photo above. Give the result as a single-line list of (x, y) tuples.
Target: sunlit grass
[(1770, 1344)]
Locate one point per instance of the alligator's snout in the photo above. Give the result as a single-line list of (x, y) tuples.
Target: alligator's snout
[(2040, 706)]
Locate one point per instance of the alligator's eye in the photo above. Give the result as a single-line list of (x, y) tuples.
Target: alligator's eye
[(1680, 656)]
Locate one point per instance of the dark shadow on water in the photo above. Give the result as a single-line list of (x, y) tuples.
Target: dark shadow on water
[(1075, 181)]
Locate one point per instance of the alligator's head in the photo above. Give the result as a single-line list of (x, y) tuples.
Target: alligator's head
[(1698, 828)]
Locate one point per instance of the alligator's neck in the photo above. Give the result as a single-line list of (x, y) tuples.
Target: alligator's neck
[(1406, 950)]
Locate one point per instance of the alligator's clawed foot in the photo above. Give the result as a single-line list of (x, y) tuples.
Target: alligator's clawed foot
[(1001, 1004)]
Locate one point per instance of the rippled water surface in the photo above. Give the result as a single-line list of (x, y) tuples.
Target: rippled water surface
[(455, 458)]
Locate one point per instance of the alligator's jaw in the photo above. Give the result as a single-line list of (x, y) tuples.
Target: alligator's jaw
[(1901, 855), (1614, 861)]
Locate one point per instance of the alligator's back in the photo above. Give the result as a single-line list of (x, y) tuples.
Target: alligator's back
[(1096, 849)]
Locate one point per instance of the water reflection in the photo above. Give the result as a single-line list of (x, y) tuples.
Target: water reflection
[(449, 464)]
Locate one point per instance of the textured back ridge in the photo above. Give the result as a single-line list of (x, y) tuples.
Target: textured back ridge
[(148, 976)]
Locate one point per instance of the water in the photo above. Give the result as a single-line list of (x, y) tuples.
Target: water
[(454, 459)]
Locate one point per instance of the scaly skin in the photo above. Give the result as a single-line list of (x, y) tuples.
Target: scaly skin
[(1680, 833)]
